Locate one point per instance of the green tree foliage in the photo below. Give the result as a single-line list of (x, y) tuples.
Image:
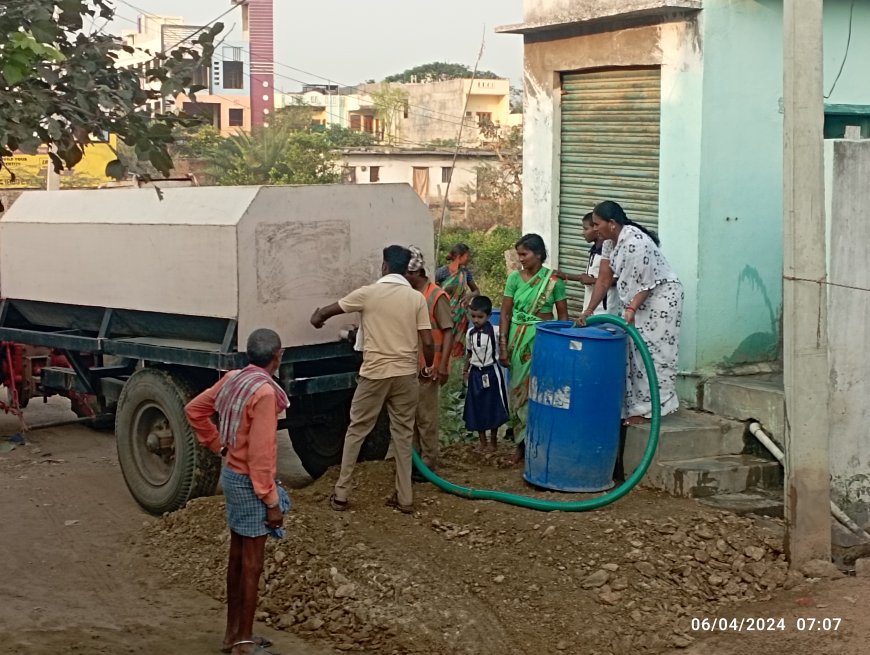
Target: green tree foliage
[(293, 117), (438, 71), (516, 100), (343, 137), (499, 186), (271, 156), (389, 102), (201, 142), (59, 84), (487, 255)]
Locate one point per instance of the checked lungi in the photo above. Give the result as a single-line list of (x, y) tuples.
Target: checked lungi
[(246, 513)]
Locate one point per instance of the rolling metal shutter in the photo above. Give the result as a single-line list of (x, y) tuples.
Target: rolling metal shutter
[(609, 151)]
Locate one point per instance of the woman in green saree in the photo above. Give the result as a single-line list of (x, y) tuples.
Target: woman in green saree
[(530, 296), (458, 283)]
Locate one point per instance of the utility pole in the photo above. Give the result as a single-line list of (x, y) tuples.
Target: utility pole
[(805, 347)]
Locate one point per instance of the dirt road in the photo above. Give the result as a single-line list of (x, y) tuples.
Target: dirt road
[(83, 570), (68, 580)]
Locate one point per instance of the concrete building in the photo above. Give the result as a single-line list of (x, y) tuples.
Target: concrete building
[(329, 104), (433, 111), (238, 81), (674, 108), (426, 171), (650, 103)]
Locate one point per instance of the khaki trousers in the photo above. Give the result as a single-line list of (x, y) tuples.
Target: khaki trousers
[(426, 425), (400, 395)]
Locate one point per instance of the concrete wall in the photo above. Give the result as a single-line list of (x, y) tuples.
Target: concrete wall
[(853, 87), (740, 211), (739, 238), (399, 167), (848, 332)]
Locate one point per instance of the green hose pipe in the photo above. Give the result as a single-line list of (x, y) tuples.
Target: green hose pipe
[(573, 505)]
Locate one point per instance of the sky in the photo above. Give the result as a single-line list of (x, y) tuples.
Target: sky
[(348, 42)]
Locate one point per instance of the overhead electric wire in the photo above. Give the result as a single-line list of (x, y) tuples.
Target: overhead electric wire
[(845, 54), (459, 122), (358, 88)]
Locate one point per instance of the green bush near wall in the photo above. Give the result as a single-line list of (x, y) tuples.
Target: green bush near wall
[(490, 272), (487, 255)]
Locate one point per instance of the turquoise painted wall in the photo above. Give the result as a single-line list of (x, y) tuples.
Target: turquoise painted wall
[(740, 212), (679, 169), (853, 87), (739, 289)]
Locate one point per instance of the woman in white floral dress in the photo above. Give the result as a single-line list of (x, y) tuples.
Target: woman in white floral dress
[(652, 298)]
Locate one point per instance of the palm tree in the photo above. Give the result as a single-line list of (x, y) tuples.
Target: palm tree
[(274, 155)]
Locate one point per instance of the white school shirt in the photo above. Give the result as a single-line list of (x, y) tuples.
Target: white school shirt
[(486, 352), (612, 297)]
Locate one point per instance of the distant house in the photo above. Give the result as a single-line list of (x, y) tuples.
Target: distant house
[(673, 108), (427, 170), (238, 81), (433, 111)]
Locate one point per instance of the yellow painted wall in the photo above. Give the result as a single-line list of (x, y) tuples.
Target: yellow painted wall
[(30, 170)]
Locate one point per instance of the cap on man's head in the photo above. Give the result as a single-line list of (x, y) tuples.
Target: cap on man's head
[(417, 262)]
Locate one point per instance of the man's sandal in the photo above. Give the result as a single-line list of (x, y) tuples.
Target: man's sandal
[(336, 504), (258, 646), (393, 501), (256, 639)]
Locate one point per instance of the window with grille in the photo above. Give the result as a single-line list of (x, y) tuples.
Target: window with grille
[(234, 75)]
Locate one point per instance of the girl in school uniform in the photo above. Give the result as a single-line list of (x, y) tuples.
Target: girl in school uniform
[(486, 399)]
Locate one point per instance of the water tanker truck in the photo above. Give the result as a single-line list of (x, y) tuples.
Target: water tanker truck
[(131, 301)]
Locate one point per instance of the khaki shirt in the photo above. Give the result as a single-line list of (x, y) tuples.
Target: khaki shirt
[(391, 316)]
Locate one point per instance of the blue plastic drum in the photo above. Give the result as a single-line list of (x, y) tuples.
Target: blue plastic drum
[(576, 390)]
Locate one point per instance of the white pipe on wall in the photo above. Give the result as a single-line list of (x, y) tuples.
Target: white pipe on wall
[(759, 433)]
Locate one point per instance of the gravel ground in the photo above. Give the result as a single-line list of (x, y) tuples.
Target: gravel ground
[(477, 577)]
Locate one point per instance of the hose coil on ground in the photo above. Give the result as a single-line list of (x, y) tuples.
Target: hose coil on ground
[(573, 505)]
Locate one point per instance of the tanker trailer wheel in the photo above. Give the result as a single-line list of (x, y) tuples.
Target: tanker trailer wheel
[(319, 440), (163, 464)]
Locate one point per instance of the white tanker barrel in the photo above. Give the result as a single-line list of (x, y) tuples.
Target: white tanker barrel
[(264, 256)]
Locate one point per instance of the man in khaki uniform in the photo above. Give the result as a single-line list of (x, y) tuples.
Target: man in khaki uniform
[(426, 435), (394, 318)]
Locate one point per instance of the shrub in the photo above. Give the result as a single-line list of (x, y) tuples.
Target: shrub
[(487, 255)]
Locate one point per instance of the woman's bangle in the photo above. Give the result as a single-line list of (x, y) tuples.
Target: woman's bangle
[(630, 309)]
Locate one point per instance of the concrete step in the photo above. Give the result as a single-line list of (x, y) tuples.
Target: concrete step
[(708, 476), (685, 434), (761, 502), (748, 396)]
